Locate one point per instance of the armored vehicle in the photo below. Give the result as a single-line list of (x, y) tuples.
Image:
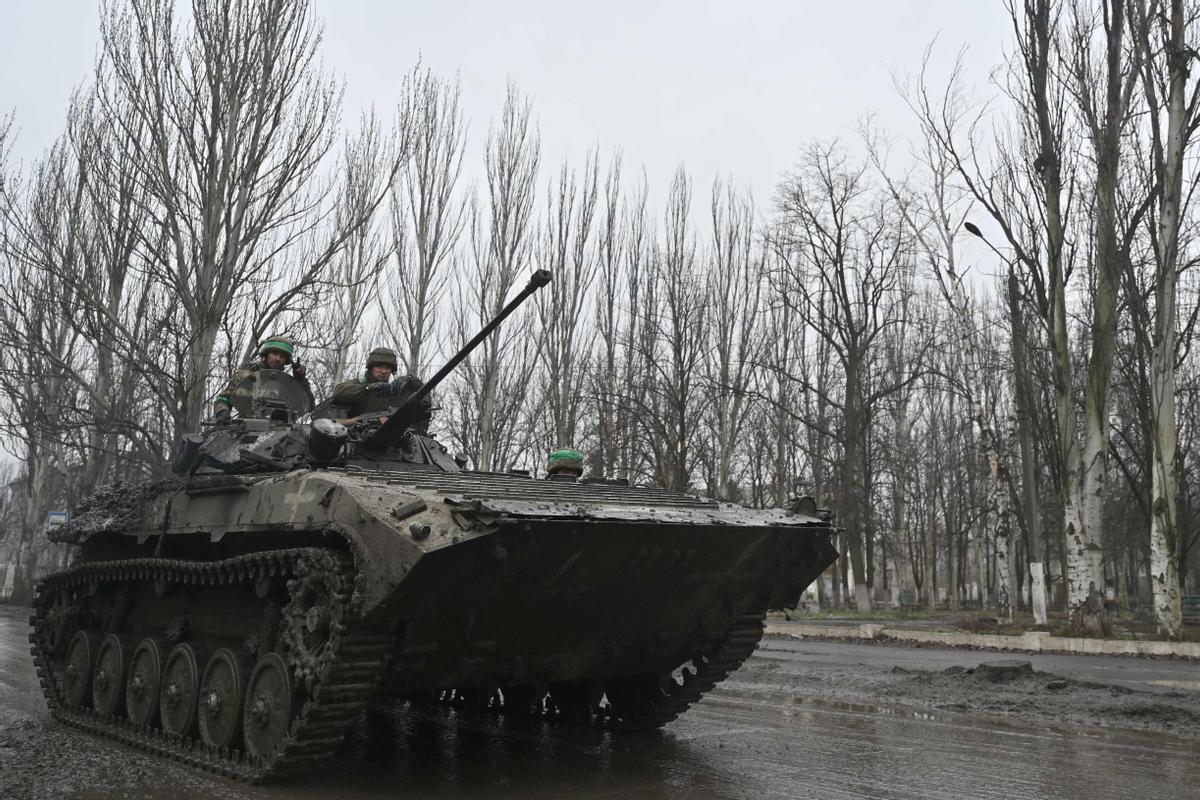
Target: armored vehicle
[(240, 616)]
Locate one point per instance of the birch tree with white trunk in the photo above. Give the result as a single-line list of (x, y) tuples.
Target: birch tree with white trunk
[(1102, 93), (1161, 36)]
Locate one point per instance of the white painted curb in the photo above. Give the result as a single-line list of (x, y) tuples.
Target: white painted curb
[(1033, 641)]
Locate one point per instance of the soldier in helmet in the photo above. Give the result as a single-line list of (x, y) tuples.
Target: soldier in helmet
[(564, 464), (379, 389), (276, 352)]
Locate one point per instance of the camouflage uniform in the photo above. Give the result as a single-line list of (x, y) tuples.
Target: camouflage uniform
[(364, 395), (223, 403)]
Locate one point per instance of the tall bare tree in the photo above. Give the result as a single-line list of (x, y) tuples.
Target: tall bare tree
[(567, 248), (610, 321), (1172, 119), (736, 277), (626, 291), (849, 252), (494, 381), (236, 122), (674, 332), (935, 218), (343, 294), (427, 211), (1102, 93), (1034, 160)]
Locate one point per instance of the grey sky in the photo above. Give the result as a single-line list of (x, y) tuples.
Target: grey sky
[(724, 88)]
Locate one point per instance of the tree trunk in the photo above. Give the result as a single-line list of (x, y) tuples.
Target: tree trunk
[(195, 398), (1164, 573), (952, 578), (1025, 410)]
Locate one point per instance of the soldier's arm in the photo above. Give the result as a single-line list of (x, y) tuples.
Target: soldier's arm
[(224, 401), (347, 393)]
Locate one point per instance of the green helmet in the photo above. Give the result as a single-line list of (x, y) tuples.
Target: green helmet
[(564, 460), (384, 357), (282, 344)]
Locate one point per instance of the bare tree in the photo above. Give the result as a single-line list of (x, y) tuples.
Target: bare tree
[(334, 300), (935, 218), (36, 341), (494, 380), (1034, 161), (610, 322), (1102, 93), (115, 307), (848, 254), (626, 278), (673, 337), (567, 249), (1163, 33), (735, 285), (235, 125), (427, 211)]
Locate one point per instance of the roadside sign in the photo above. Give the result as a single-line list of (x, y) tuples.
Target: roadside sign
[(56, 519)]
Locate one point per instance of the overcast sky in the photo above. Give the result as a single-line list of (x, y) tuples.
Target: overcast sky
[(724, 88)]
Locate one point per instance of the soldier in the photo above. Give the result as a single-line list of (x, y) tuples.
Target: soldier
[(564, 464), (377, 391), (274, 353)]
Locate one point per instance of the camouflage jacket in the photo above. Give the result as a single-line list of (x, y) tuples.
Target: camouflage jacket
[(224, 401), (363, 396)]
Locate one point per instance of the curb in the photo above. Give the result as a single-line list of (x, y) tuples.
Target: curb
[(1032, 641)]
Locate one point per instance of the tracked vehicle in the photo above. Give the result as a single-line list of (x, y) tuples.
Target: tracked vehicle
[(240, 616)]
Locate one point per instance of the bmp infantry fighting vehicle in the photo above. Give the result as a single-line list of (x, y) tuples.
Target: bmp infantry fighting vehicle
[(240, 616)]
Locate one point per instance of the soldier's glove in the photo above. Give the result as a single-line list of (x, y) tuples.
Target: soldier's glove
[(411, 383), (395, 388), (299, 371), (222, 417)]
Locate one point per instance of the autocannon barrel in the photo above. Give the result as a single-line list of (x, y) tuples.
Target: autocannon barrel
[(539, 279), (400, 418)]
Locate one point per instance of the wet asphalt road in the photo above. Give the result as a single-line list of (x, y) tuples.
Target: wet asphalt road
[(735, 744), (1146, 674)]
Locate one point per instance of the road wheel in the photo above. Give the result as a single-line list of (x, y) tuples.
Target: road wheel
[(108, 682), (267, 711), (220, 707), (81, 663), (179, 691), (143, 683)]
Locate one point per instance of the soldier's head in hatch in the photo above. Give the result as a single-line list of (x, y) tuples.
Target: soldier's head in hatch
[(277, 352), (381, 364)]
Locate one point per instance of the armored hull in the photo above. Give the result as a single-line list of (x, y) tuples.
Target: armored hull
[(242, 622)]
